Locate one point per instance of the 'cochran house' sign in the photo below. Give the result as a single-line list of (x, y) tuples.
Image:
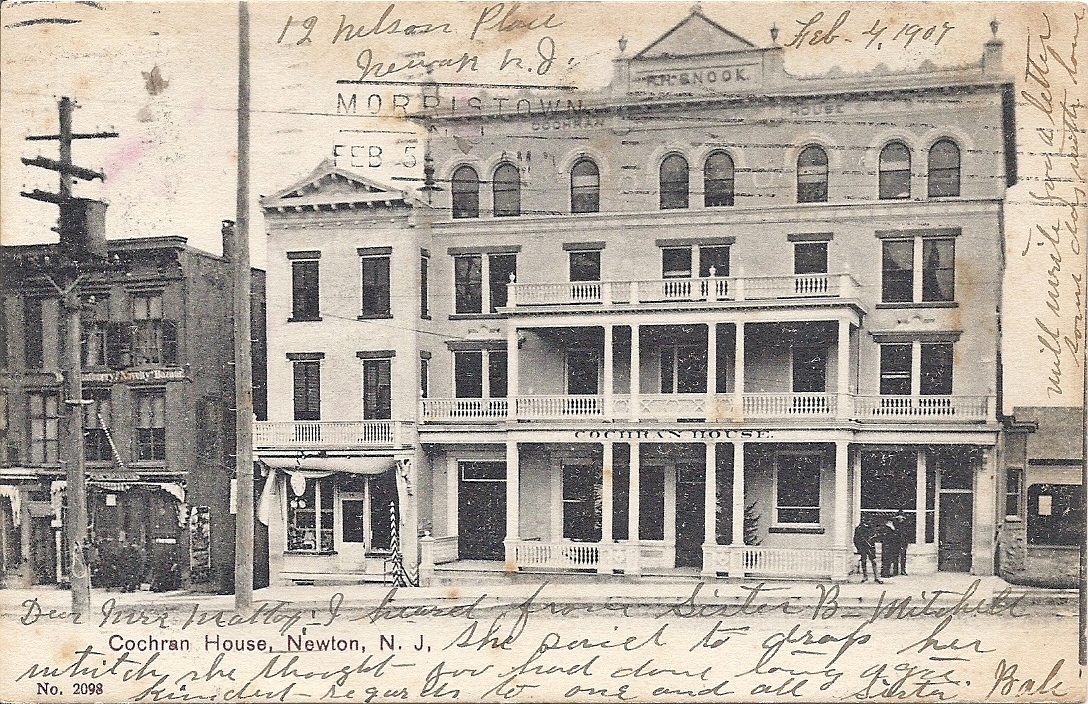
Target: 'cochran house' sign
[(171, 374)]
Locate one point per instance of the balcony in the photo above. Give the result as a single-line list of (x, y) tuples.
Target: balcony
[(323, 435), (702, 290), (672, 407)]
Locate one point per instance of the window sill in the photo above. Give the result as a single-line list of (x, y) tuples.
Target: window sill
[(147, 464), (1013, 519), (374, 316), (425, 317), (476, 316), (318, 553), (922, 304), (305, 320), (796, 529)]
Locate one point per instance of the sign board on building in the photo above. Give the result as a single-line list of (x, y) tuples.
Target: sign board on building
[(118, 377)]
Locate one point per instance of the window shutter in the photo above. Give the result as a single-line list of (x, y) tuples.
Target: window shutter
[(118, 345)]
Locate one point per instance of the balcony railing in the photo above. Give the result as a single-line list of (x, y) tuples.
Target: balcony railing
[(664, 407), (302, 434), (709, 290)]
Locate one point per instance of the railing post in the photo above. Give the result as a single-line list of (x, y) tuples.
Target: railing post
[(740, 286), (606, 293), (426, 560)]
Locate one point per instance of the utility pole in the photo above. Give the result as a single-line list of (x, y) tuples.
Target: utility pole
[(243, 369), (82, 243)]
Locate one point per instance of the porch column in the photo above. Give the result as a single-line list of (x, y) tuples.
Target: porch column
[(511, 370), (634, 378), (633, 567), (982, 533), (604, 560), (737, 537), (710, 505), (843, 371), (841, 529), (920, 500), (738, 371), (608, 374), (512, 494), (855, 468), (711, 370)]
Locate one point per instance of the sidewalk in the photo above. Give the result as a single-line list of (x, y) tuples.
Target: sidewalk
[(919, 588)]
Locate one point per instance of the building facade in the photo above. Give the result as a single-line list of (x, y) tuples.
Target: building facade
[(702, 321), (158, 425)]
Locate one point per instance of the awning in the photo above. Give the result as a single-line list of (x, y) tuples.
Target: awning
[(351, 465)]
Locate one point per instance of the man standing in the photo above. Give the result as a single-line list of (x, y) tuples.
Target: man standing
[(865, 545), (901, 561), (889, 548)]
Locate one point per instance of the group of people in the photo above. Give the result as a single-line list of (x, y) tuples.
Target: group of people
[(893, 538)]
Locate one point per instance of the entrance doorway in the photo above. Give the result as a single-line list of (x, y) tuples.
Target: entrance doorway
[(954, 548), (481, 509), (690, 510), (582, 501)]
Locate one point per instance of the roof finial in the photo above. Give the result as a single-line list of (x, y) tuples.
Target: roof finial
[(774, 34), (623, 44), (697, 8), (993, 26)]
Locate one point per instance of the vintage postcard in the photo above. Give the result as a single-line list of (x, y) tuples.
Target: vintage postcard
[(542, 351)]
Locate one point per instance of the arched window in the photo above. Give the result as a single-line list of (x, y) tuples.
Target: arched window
[(506, 186), (944, 169), (466, 193), (718, 180), (812, 175), (673, 182), (894, 171), (585, 187)]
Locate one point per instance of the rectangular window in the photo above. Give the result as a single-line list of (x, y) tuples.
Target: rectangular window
[(310, 517), (34, 329), (713, 258), (683, 369), (897, 283), (424, 378), (502, 270), (305, 296), (44, 417), (797, 488), (377, 389), (151, 425), (581, 502), (468, 283), (938, 269), (307, 390), (154, 340), (895, 366), (468, 374), (810, 258), (94, 323), (936, 370), (1055, 514), (96, 419), (375, 286), (585, 265), (496, 374), (676, 263), (809, 369), (1014, 491), (424, 296)]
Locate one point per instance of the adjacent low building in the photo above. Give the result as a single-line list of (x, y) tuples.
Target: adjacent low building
[(158, 425)]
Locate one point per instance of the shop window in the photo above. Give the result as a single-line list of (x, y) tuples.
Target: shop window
[(1014, 492), (797, 488), (581, 502), (377, 389), (375, 286), (585, 187), (718, 180), (683, 369), (944, 169), (894, 171), (465, 188), (585, 265), (44, 417), (506, 188), (151, 425), (310, 516), (673, 182), (307, 389), (812, 175), (1055, 514), (94, 331), (96, 419)]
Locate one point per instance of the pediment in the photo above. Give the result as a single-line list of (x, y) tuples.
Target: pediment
[(695, 35), (331, 186)]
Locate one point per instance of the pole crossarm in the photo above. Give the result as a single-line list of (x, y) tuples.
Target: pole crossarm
[(70, 169), (75, 135)]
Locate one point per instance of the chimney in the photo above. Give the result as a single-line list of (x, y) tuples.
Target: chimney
[(229, 247)]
